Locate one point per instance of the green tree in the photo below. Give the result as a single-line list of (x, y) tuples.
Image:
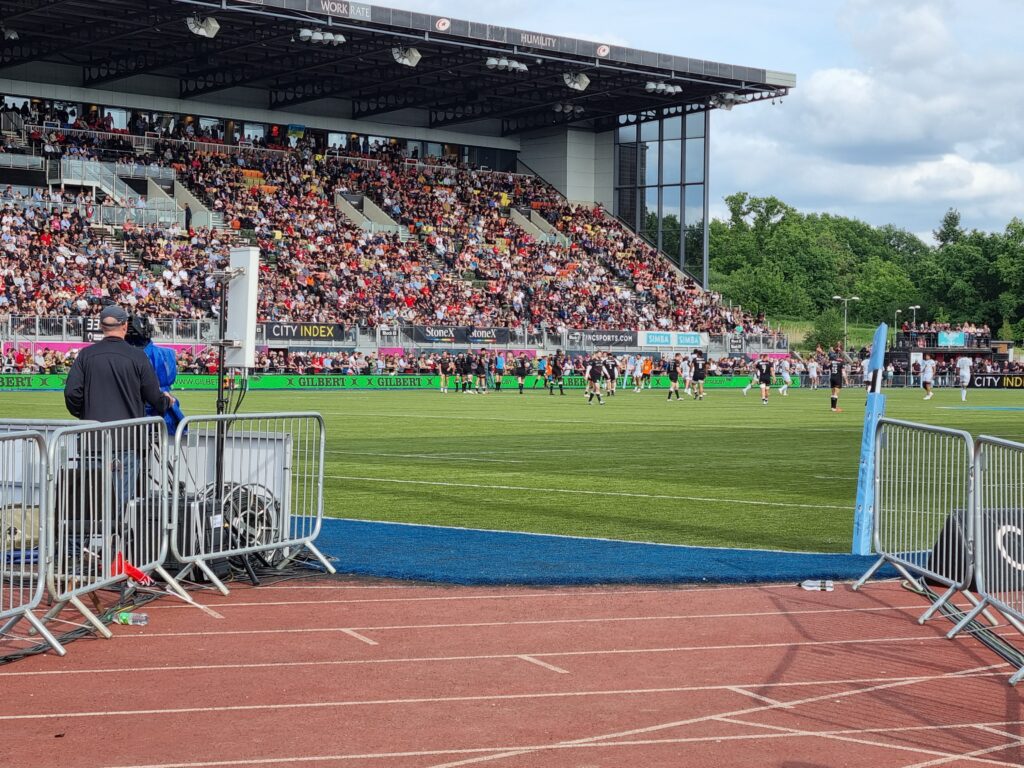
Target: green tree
[(949, 232), (827, 329)]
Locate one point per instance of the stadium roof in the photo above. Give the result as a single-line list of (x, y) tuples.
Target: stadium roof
[(261, 44)]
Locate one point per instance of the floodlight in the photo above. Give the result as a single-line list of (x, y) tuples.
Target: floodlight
[(305, 34), (318, 37), (650, 86), (557, 107), (208, 27), (518, 66), (577, 110), (10, 34), (338, 38), (502, 63), (491, 62), (576, 80), (407, 57)]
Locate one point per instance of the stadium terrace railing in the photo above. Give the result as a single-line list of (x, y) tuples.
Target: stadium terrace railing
[(24, 532), (35, 330), (924, 495), (266, 494), (108, 514), (148, 142), (944, 339), (24, 162), (110, 215)]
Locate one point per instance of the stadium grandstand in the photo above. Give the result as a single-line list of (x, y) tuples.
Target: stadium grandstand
[(396, 169)]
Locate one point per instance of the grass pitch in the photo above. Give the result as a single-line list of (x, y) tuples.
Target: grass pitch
[(723, 472)]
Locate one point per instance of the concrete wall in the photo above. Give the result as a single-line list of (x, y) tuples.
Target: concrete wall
[(576, 162)]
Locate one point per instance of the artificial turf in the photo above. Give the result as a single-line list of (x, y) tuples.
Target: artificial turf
[(726, 471)]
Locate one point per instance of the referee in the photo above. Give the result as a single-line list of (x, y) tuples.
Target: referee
[(112, 380)]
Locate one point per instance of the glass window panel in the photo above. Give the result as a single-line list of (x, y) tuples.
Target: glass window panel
[(695, 125), (672, 128), (671, 214), (648, 163), (694, 202), (627, 134), (626, 205), (671, 161), (649, 214), (694, 249), (694, 160), (649, 131), (625, 165)]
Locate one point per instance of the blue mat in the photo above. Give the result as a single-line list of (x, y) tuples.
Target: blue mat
[(460, 556)]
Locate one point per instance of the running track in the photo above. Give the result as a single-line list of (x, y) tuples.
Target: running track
[(332, 673)]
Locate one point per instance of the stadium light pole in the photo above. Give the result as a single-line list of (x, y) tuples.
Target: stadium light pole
[(895, 324), (915, 307), (846, 319)]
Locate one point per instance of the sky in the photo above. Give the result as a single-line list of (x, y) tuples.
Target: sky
[(903, 108)]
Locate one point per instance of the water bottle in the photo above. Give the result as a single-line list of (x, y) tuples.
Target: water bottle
[(816, 585), (136, 619)]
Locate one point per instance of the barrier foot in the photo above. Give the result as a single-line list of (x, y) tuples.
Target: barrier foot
[(992, 620), (10, 624), (870, 572), (1017, 676), (212, 577), (936, 605), (91, 617), (51, 614), (971, 616), (171, 582), (319, 556), (32, 619)]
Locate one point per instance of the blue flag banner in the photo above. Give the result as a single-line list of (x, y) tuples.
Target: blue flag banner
[(864, 512)]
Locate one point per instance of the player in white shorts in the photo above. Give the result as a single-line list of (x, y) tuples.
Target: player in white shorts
[(687, 376), (812, 373), (963, 364), (927, 375), (787, 377)]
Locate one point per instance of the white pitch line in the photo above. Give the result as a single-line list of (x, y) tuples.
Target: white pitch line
[(969, 755), (577, 491), (544, 664), (361, 638), (594, 423), (437, 457)]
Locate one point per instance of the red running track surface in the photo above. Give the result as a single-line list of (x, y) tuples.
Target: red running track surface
[(333, 673)]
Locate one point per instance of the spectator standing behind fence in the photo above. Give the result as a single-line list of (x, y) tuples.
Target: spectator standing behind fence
[(111, 380)]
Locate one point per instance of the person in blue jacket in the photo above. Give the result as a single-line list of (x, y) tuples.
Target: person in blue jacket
[(165, 363)]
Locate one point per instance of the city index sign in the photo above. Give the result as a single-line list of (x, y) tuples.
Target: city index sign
[(304, 332), (998, 381)]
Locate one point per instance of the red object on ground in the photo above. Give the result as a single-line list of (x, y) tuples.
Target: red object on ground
[(123, 567)]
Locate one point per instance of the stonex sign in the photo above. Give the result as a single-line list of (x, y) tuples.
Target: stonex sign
[(308, 331)]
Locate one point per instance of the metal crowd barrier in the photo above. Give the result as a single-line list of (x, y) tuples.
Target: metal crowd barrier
[(266, 494), (999, 533), (107, 493), (24, 536), (924, 496)]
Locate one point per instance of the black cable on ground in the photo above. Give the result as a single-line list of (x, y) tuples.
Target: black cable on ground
[(298, 568)]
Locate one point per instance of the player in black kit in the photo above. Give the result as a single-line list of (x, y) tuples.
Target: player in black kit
[(835, 379), (557, 366), (522, 370), (763, 371), (611, 365), (700, 372), (673, 368), (595, 372), (466, 364)]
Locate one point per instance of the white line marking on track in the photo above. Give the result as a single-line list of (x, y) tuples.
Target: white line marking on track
[(459, 699), (544, 664), (484, 750), (539, 622), (971, 755), (845, 736), (361, 638), (689, 721), (577, 491), (759, 697)]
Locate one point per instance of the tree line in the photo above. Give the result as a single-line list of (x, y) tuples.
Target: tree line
[(770, 258)]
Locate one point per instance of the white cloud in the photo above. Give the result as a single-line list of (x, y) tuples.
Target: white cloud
[(917, 122)]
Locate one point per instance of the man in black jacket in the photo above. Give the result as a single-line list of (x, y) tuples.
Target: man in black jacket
[(112, 380)]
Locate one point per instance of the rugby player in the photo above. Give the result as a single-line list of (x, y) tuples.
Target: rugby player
[(700, 371), (963, 365), (927, 375), (674, 366), (787, 377), (836, 367), (594, 373), (557, 368), (763, 371)]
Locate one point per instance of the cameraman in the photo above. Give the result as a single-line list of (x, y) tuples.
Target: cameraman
[(111, 380)]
